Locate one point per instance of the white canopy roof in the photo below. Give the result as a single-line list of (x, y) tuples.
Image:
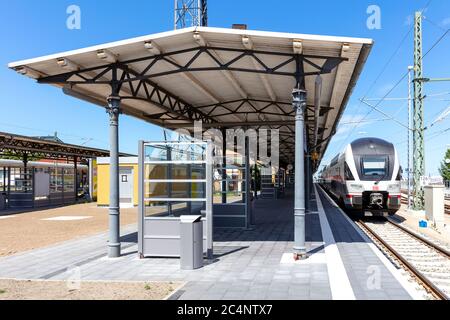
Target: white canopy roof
[(224, 77)]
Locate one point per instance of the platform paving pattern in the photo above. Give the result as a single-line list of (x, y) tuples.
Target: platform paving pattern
[(246, 264), (369, 277)]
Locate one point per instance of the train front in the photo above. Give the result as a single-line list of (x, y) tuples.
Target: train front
[(374, 184)]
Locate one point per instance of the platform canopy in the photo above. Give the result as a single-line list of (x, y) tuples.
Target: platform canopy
[(18, 146), (223, 77)]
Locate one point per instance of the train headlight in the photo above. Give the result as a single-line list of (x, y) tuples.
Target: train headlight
[(395, 188), (356, 187)]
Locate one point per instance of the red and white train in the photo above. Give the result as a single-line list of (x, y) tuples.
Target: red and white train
[(365, 178)]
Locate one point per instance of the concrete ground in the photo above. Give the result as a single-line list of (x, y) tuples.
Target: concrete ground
[(248, 264), (40, 228)]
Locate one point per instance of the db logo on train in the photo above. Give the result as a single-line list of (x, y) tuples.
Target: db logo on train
[(376, 188)]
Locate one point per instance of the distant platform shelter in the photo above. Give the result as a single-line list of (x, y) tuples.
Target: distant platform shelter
[(37, 172)]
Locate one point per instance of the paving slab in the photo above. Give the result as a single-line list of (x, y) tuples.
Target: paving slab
[(247, 263)]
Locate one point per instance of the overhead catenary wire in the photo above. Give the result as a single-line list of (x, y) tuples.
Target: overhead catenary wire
[(384, 68), (397, 84), (381, 73)]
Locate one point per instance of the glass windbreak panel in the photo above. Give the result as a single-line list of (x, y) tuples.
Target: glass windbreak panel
[(2, 179), (69, 180), (172, 209), (235, 174), (374, 166), (229, 185), (56, 180), (183, 190), (174, 171), (21, 181), (175, 152), (231, 197), (233, 165)]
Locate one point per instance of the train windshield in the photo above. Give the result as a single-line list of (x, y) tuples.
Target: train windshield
[(374, 166)]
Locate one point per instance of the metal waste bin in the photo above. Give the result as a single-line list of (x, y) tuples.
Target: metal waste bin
[(191, 242)]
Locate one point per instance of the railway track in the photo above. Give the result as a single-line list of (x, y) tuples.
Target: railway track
[(427, 263)]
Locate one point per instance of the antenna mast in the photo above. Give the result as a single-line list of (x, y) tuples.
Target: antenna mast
[(191, 13)]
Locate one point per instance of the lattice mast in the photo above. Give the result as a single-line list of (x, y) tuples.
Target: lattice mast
[(191, 13), (418, 121)]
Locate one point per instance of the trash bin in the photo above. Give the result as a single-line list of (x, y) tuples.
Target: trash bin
[(191, 242)]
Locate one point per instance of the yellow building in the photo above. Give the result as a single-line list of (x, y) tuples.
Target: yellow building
[(128, 181)]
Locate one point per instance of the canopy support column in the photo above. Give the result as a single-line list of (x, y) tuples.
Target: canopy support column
[(299, 104), (224, 163), (114, 209), (308, 181), (75, 177), (25, 169)]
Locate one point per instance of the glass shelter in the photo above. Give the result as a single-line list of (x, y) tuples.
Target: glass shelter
[(175, 179)]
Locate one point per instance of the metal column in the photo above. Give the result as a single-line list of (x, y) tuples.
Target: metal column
[(307, 181), (410, 68), (141, 202), (9, 187), (224, 163), (209, 199), (114, 210), (418, 134), (25, 168), (4, 179), (299, 104), (91, 180), (255, 186), (75, 169), (248, 179)]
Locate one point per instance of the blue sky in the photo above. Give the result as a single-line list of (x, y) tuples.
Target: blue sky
[(35, 28)]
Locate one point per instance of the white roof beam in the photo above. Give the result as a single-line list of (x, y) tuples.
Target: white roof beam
[(248, 44), (228, 74), (155, 49)]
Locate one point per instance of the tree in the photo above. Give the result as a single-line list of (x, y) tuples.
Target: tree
[(444, 170)]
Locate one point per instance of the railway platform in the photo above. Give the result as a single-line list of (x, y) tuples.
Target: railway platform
[(250, 264)]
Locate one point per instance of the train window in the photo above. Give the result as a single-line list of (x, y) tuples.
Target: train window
[(400, 174), (374, 166), (347, 172)]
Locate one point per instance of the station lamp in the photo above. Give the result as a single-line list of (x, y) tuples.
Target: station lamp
[(27, 71), (107, 56), (297, 46), (67, 64), (247, 42), (199, 39), (345, 47), (152, 47)]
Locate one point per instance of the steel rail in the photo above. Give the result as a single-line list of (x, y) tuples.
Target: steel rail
[(420, 238)]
